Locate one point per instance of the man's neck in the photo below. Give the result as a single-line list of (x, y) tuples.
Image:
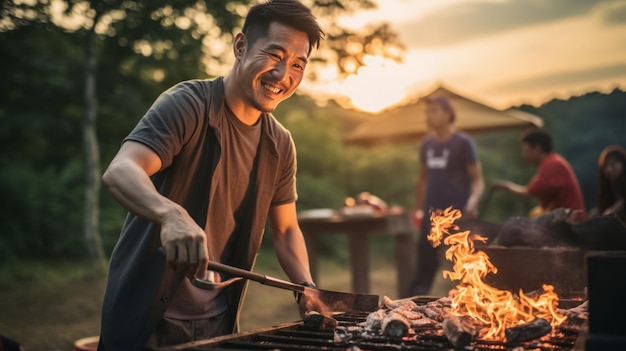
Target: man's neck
[(444, 133), (246, 113)]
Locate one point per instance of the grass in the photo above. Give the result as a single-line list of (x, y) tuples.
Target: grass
[(48, 306)]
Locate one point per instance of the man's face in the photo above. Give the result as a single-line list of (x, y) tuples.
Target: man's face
[(436, 116), (272, 68), (531, 154)]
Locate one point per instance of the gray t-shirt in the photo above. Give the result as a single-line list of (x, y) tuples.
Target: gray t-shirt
[(239, 149)]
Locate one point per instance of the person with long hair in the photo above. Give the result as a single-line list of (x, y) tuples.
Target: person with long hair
[(611, 183)]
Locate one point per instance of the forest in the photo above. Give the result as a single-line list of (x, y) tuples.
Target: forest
[(71, 94)]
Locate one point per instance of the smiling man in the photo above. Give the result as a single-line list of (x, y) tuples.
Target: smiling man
[(200, 174)]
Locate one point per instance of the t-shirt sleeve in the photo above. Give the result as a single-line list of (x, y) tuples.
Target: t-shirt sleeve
[(471, 154), (170, 122), (285, 189)]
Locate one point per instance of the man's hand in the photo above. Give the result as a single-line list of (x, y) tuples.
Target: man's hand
[(418, 218), (309, 302), (471, 210), (184, 243)]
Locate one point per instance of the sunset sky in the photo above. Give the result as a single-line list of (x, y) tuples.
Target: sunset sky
[(500, 52)]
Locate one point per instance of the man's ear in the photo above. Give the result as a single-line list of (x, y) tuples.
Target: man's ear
[(239, 46)]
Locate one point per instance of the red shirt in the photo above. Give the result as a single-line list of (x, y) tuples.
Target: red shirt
[(555, 185)]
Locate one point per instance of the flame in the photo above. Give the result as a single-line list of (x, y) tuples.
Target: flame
[(496, 309)]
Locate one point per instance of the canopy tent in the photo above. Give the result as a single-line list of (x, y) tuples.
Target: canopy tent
[(407, 123)]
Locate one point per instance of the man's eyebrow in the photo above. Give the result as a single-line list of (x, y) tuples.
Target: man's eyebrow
[(282, 49)]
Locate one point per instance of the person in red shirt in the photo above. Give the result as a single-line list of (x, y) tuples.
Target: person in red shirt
[(555, 185)]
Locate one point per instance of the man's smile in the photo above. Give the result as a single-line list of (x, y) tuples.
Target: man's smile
[(271, 88)]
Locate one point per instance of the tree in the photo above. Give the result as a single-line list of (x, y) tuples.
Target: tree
[(127, 13), (132, 50), (99, 23), (347, 48), (91, 232)]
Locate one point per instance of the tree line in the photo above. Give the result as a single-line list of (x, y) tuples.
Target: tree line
[(70, 95)]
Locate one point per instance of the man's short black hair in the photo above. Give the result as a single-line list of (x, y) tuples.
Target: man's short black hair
[(538, 137), (291, 13)]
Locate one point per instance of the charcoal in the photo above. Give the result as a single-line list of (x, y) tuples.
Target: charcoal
[(432, 312), (389, 304), (459, 333), (424, 323), (581, 310), (405, 307), (577, 317), (526, 332), (374, 319), (400, 317), (395, 325), (316, 321), (408, 314)]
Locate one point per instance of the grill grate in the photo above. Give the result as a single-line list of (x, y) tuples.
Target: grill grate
[(349, 336)]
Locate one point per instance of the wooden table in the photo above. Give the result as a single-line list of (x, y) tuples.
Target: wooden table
[(359, 229)]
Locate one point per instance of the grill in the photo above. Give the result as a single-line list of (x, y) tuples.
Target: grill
[(520, 268), (351, 336)]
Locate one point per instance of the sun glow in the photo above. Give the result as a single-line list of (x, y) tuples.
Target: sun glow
[(529, 63), (375, 85), (380, 83)]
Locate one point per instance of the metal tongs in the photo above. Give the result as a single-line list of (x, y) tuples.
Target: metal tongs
[(334, 301)]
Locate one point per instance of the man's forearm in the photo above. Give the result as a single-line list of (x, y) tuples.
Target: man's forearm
[(292, 255), (476, 192), (183, 240), (515, 189), (518, 190), (129, 185)]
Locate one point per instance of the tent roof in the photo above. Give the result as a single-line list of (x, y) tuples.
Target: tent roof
[(408, 123)]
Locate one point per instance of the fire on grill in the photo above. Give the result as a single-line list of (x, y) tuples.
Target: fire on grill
[(475, 310), (409, 320)]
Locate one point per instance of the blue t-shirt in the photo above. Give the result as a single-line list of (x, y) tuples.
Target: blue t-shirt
[(446, 163)]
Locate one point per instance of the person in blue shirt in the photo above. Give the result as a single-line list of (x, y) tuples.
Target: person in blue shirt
[(450, 174)]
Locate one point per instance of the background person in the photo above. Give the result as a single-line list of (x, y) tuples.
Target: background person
[(554, 184), (450, 175), (200, 174), (611, 183), (7, 344)]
